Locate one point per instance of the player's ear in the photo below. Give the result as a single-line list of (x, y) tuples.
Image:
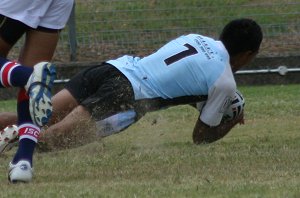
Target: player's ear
[(251, 53), (242, 59)]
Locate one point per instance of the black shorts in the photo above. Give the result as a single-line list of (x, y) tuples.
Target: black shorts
[(103, 90), (12, 30)]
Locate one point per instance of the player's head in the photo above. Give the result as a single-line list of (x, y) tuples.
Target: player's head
[(242, 37)]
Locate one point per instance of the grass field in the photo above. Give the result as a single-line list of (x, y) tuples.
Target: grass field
[(158, 159)]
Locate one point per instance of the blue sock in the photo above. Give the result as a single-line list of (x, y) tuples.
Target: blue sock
[(23, 108), (26, 143), (25, 151), (13, 74), (20, 75)]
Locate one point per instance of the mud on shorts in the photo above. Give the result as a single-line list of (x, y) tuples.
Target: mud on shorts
[(103, 90)]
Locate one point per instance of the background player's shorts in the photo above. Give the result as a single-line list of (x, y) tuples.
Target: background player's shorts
[(11, 30), (52, 14), (103, 90)]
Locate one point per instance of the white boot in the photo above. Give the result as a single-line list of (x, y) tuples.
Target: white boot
[(20, 172)]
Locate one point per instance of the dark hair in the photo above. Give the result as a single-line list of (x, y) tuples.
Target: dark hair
[(241, 35)]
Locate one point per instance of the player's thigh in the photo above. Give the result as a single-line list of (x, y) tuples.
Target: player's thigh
[(10, 32), (77, 119), (74, 130), (112, 92), (39, 46), (63, 103)]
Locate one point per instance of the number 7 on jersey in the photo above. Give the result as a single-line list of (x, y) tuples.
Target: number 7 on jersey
[(190, 51)]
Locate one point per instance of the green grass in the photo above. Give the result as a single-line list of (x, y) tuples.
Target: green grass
[(258, 159), (8, 105)]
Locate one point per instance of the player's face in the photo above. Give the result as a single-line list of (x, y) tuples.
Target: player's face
[(243, 59)]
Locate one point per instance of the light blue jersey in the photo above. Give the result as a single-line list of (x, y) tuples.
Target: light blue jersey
[(191, 65)]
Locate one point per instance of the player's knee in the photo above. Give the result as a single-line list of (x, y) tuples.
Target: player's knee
[(83, 112)]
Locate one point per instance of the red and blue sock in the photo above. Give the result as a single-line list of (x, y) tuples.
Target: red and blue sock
[(28, 132), (12, 74)]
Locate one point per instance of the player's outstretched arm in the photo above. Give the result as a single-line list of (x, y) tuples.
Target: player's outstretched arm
[(205, 134)]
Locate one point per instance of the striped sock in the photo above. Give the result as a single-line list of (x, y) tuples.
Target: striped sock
[(28, 132), (23, 107), (25, 151), (13, 74)]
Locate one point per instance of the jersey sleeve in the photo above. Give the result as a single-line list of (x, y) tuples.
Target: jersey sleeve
[(200, 105), (219, 99)]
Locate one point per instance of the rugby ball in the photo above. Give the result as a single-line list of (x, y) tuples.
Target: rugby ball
[(236, 107)]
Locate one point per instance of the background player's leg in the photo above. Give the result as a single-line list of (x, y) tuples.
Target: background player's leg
[(63, 103), (76, 129), (7, 118)]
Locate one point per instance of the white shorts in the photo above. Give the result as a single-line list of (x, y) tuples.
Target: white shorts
[(52, 14)]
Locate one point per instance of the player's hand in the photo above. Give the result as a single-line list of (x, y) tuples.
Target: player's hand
[(240, 119)]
